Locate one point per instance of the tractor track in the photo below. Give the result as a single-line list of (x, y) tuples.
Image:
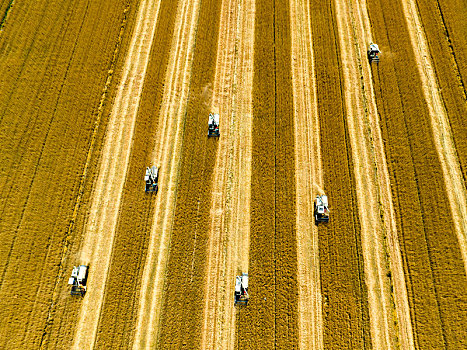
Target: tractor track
[(309, 177)]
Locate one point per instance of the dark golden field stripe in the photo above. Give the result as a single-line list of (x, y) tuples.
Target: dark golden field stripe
[(345, 299), (184, 291), (434, 269), (271, 314), (52, 78)]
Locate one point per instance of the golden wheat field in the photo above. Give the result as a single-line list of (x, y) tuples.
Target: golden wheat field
[(94, 92)]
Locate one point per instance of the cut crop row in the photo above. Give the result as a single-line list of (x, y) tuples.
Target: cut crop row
[(448, 58), (433, 265)]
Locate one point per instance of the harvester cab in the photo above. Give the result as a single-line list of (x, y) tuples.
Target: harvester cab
[(373, 53), (151, 178), (321, 209), (213, 126), (241, 289), (78, 278)]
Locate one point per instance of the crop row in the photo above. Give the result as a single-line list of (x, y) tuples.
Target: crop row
[(345, 300), (184, 291), (433, 265), (271, 315)]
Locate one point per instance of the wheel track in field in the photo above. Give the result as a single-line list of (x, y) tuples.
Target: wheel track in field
[(442, 133), (228, 241), (389, 314), (166, 154), (101, 226), (309, 176)]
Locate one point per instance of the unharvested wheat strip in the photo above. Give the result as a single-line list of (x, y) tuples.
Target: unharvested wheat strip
[(224, 239), (309, 176), (167, 155), (404, 323), (100, 228), (369, 168), (239, 181), (455, 186)]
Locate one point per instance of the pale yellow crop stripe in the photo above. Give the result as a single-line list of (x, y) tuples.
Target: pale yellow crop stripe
[(101, 225), (308, 176), (228, 245)]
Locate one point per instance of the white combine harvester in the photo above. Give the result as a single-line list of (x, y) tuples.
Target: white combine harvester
[(78, 278), (151, 178), (373, 53), (321, 209), (241, 289), (213, 125)]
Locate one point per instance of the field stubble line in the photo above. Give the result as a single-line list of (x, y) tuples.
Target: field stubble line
[(100, 229), (167, 154), (309, 177)]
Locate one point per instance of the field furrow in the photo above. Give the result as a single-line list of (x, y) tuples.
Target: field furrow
[(432, 258)]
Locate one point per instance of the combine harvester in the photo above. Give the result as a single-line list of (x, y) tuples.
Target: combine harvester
[(321, 209), (241, 289), (373, 53), (151, 178), (213, 125), (78, 278)]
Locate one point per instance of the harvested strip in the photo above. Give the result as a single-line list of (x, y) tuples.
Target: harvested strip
[(433, 264), (100, 231), (167, 154), (443, 139), (345, 310), (182, 310), (308, 175), (446, 35), (223, 261)]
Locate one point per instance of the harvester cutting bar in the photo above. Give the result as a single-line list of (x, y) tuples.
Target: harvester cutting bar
[(151, 179), (213, 125)]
